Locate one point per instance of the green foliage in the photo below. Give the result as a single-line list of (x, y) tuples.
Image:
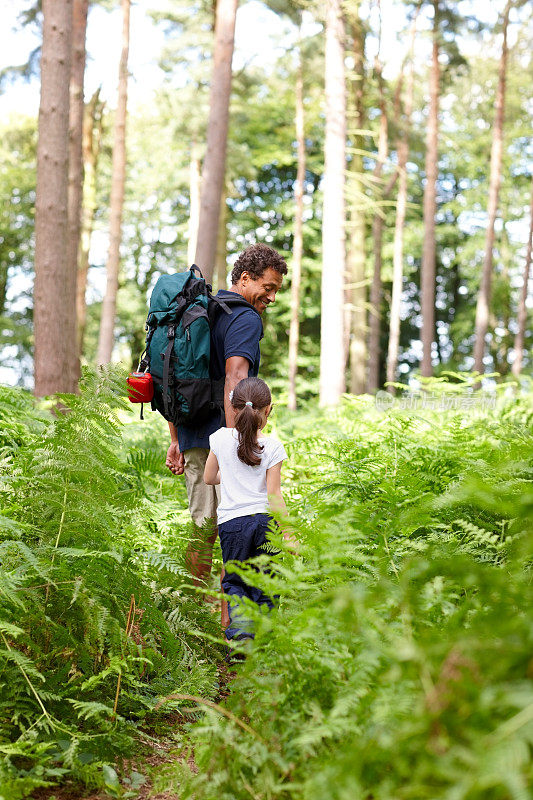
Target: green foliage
[(91, 588), (18, 145), (398, 663)]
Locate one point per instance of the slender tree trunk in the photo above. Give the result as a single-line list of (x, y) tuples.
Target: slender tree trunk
[(522, 309), (194, 201), (297, 250), (506, 256), (402, 148), (52, 317), (3, 289), (483, 300), (332, 382), (92, 133), (357, 235), (221, 266), (217, 133), (374, 346), (430, 205), (75, 172), (118, 180), (374, 317)]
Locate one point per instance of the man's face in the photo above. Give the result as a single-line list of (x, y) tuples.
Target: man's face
[(260, 292)]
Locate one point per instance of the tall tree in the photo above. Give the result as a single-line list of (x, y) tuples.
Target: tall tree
[(356, 257), (332, 381), (374, 318), (91, 141), (401, 207), (522, 308), (75, 172), (430, 203), (297, 248), (54, 357), (195, 167), (221, 266), (217, 133), (483, 300), (118, 180)]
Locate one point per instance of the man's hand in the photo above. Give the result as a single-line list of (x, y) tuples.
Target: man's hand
[(175, 460)]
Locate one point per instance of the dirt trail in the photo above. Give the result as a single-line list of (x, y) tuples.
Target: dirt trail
[(161, 752)]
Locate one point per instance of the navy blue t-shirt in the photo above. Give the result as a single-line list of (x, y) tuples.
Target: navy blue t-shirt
[(237, 334)]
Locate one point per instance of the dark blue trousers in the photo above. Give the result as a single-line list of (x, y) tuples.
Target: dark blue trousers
[(240, 539)]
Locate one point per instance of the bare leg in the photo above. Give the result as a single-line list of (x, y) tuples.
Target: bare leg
[(199, 556)]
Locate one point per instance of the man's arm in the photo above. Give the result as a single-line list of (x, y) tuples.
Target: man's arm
[(175, 460), (236, 370)]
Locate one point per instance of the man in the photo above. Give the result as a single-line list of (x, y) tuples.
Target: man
[(257, 276)]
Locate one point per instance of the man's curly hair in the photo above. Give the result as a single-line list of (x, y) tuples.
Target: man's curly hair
[(256, 259)]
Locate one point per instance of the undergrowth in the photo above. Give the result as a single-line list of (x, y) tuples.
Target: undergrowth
[(96, 621), (398, 663)]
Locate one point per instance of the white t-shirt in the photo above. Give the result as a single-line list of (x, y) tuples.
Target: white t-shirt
[(243, 489)]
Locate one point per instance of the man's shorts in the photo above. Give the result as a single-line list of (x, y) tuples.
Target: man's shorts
[(203, 499)]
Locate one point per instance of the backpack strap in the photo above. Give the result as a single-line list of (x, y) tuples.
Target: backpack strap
[(166, 369), (216, 303)]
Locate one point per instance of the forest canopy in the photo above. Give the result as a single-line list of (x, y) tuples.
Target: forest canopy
[(394, 298)]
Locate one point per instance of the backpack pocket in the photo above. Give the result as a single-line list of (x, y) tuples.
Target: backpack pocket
[(196, 344)]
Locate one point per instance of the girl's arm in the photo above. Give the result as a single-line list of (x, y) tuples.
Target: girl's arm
[(275, 498), (276, 501), (211, 471)]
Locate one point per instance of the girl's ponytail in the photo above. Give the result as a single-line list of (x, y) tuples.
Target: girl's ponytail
[(249, 398)]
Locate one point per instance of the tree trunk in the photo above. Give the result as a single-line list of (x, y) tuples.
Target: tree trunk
[(3, 289), (217, 133), (332, 383), (221, 265), (374, 318), (92, 134), (483, 300), (75, 172), (118, 180), (430, 206), (522, 309), (297, 249), (402, 148), (52, 316), (194, 201), (357, 234)]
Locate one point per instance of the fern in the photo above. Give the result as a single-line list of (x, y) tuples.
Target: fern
[(397, 662)]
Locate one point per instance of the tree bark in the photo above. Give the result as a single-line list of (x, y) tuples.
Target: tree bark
[(483, 300), (118, 180), (217, 133), (357, 234), (402, 148), (430, 206), (522, 309), (297, 249), (332, 381), (52, 317), (75, 172), (194, 201), (92, 134)]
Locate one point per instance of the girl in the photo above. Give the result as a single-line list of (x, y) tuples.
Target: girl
[(247, 465)]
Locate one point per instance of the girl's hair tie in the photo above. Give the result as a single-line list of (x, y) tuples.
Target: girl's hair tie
[(231, 396), (249, 403)]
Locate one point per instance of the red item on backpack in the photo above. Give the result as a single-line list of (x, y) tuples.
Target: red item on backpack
[(140, 387)]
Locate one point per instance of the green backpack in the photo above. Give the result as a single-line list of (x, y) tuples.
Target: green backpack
[(178, 346)]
